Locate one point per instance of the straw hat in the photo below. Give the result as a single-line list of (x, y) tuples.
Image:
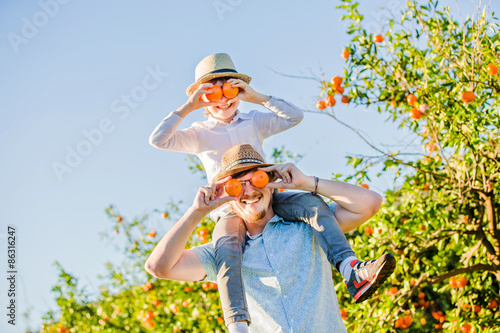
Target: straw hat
[(214, 66), (239, 158)]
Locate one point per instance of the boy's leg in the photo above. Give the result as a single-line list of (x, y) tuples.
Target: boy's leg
[(229, 237), (362, 278)]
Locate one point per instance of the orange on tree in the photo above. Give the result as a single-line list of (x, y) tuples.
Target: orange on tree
[(260, 178), (368, 230), (343, 313), (466, 328), (345, 54), (378, 38), (320, 105), (164, 215), (493, 304), (421, 295), (233, 187), (337, 81), (492, 69), (468, 96), (415, 113), (214, 96), (339, 90), (393, 291), (462, 282), (229, 91), (345, 99), (119, 218), (152, 234), (365, 186), (411, 99), (185, 304), (330, 100)]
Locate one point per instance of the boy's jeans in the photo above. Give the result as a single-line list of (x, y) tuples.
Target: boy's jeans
[(229, 237)]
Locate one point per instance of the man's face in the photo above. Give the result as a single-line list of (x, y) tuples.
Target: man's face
[(253, 203), (226, 109)]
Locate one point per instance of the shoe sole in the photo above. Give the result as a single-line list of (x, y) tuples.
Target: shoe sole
[(383, 273)]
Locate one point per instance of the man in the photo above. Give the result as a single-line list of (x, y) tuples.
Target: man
[(286, 275)]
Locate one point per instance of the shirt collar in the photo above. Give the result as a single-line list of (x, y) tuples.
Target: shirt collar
[(212, 122)]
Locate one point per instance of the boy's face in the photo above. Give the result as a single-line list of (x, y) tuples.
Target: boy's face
[(253, 203), (225, 110)]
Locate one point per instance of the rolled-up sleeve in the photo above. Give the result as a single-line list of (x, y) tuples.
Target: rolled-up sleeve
[(284, 115), (166, 136), (206, 254)]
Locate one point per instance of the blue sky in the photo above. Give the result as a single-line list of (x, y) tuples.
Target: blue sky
[(67, 69)]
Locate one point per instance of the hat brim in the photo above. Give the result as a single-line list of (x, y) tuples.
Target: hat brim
[(243, 167), (208, 77)]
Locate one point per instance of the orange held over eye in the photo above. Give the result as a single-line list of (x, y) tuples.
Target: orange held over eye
[(378, 38), (330, 100), (260, 178), (215, 96), (233, 187), (229, 91)]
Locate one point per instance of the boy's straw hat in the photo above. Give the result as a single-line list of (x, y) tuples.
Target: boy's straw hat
[(214, 66), (239, 158)]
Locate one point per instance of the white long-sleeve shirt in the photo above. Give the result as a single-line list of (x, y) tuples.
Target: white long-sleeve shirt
[(210, 139)]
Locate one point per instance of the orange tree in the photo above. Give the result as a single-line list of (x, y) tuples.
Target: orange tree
[(129, 299), (437, 79)]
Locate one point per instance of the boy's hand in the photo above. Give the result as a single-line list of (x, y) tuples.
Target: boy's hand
[(211, 196), (195, 101), (247, 93), (291, 177)]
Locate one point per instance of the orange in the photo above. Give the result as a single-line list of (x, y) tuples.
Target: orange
[(320, 105), (152, 234), (365, 186), (344, 313), (431, 146), (415, 113), (421, 295), (462, 282), (407, 320), (260, 178), (493, 304), (468, 96), (185, 304), (492, 69), (378, 38), (368, 230), (345, 99), (330, 100), (119, 218), (339, 90), (411, 99), (215, 96), (345, 54), (203, 232), (393, 291), (426, 187), (220, 320), (336, 81), (476, 308), (188, 289), (233, 187), (465, 328), (165, 215), (229, 91)]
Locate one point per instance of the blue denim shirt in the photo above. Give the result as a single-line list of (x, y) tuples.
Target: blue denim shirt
[(287, 278)]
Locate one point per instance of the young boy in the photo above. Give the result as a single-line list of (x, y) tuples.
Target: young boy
[(227, 127)]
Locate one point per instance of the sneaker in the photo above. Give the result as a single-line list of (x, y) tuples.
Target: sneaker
[(368, 276)]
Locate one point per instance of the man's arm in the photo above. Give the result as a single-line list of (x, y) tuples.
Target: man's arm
[(169, 260), (355, 204)]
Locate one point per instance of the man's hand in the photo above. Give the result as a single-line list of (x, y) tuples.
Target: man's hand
[(291, 177), (211, 196), (247, 93)]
